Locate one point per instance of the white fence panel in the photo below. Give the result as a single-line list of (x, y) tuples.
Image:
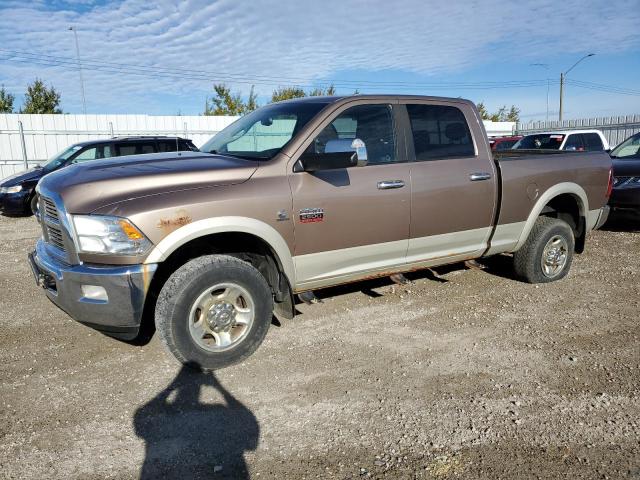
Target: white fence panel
[(46, 135)]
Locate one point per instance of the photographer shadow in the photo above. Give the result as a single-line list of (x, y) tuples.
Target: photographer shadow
[(185, 438)]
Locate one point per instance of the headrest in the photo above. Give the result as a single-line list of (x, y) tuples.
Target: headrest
[(455, 131)]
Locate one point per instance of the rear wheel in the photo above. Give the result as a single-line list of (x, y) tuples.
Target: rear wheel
[(547, 254), (214, 311)]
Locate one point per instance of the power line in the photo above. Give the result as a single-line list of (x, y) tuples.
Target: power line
[(165, 72), (604, 88)]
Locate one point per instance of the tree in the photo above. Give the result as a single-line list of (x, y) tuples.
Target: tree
[(482, 110), (6, 101), (40, 99), (252, 101), (320, 92), (514, 114), (502, 115), (227, 103), (287, 93)]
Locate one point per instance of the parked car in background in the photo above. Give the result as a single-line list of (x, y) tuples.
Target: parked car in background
[(576, 140), (17, 192), (626, 175), (503, 143), (297, 196)]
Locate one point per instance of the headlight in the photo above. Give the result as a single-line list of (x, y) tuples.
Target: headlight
[(111, 235), (14, 189)]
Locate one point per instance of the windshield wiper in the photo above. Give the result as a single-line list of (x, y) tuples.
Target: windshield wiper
[(244, 157)]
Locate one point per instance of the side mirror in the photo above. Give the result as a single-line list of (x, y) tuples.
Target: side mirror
[(338, 153)]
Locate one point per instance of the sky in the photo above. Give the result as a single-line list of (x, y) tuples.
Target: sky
[(164, 57)]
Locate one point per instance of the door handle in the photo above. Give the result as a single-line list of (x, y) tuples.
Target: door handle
[(476, 177), (389, 184)]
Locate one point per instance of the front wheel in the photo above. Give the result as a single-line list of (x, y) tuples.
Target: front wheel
[(33, 204), (547, 254), (214, 311)]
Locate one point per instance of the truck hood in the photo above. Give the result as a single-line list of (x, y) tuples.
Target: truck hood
[(95, 184)]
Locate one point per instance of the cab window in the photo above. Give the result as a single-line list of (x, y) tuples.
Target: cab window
[(593, 142), (439, 132), (574, 142), (373, 124)]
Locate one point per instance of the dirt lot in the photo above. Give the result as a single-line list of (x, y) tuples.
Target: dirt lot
[(468, 374)]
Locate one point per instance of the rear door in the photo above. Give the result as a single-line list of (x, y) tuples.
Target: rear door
[(353, 222), (453, 182)]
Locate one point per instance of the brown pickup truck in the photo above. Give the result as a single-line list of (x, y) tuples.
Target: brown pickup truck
[(297, 196)]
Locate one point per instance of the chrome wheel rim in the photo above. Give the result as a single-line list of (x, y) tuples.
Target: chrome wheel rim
[(221, 317), (554, 256)]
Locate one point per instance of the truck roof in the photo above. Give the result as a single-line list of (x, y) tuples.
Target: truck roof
[(566, 132), (387, 97)]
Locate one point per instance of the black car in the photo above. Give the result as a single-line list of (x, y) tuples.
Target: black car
[(17, 192), (626, 175)]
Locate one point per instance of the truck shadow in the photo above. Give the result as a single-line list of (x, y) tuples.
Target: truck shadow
[(185, 438)]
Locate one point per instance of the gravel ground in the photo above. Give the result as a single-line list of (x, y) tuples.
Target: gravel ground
[(462, 374)]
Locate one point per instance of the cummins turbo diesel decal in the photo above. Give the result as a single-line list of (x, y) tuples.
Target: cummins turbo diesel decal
[(311, 215)]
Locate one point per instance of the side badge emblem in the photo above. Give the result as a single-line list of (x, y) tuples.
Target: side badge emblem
[(282, 215), (311, 215)]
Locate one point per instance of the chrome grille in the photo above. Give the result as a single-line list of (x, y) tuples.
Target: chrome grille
[(55, 237), (49, 209), (51, 225)]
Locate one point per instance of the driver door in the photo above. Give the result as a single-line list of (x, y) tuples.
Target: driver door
[(352, 222)]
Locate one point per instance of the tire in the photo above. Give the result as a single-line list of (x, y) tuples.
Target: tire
[(194, 324), (528, 261), (33, 204)]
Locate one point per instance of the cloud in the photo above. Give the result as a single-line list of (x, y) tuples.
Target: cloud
[(295, 42)]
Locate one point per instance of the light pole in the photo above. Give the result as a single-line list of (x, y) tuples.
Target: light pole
[(563, 76), (546, 67), (84, 102)]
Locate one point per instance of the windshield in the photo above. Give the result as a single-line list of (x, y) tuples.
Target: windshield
[(540, 141), (58, 159), (630, 148), (261, 134)]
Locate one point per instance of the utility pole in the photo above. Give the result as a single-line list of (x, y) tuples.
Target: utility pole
[(563, 76), (546, 67), (561, 95), (84, 101)]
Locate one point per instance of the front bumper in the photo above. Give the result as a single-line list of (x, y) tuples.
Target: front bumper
[(626, 198), (119, 315), (15, 203)]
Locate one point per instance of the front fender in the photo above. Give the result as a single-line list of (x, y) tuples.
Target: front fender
[(227, 224)]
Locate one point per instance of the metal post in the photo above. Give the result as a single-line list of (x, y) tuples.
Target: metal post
[(548, 86), (84, 102), (111, 129), (24, 146), (186, 134), (561, 93)]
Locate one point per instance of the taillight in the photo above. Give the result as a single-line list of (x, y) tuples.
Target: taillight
[(610, 186)]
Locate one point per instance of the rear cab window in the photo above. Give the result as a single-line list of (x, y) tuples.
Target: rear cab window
[(540, 141), (574, 143), (439, 132), (593, 142)]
